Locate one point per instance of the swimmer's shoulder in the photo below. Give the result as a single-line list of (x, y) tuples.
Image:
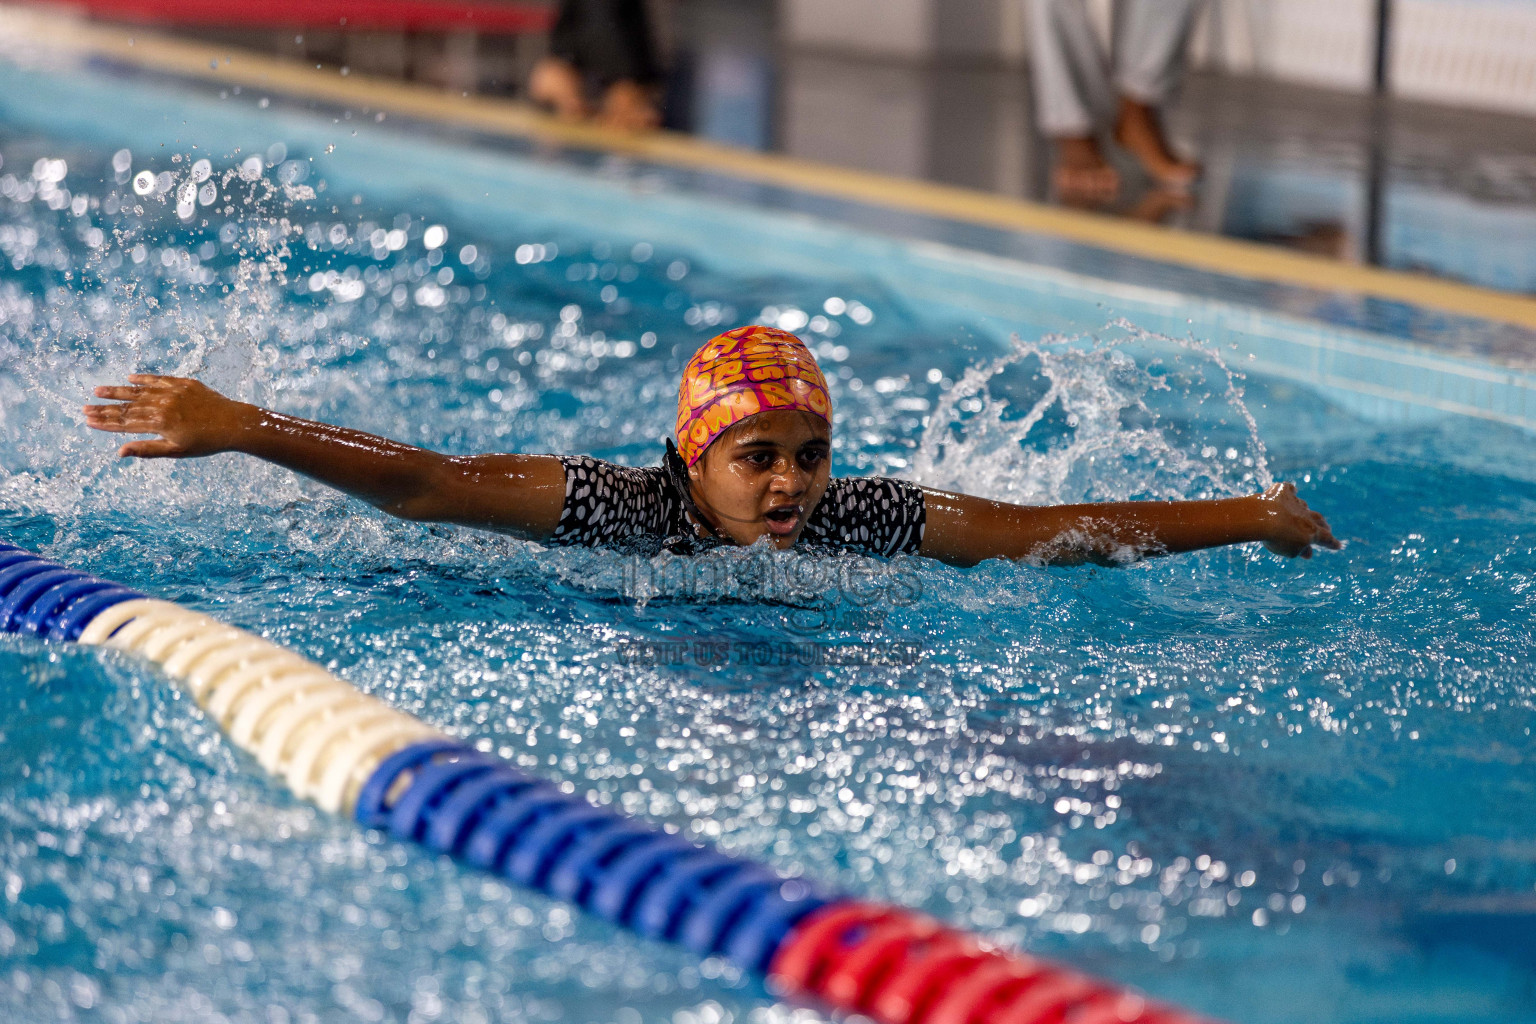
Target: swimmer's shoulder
[(873, 515), (611, 505)]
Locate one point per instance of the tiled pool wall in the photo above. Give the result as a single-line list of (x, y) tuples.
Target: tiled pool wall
[(1374, 375)]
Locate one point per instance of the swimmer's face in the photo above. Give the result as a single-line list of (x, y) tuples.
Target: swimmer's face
[(763, 476)]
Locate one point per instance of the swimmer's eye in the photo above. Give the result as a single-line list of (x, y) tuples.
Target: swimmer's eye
[(808, 458)]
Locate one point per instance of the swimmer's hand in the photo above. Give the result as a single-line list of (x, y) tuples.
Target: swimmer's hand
[(1293, 528), (191, 418)]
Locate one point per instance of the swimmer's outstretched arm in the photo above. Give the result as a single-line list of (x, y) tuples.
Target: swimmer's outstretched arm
[(517, 494), (964, 530)]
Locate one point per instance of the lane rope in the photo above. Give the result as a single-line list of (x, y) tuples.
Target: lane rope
[(354, 754)]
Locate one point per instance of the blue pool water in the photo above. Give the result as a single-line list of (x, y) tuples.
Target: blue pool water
[(1267, 790)]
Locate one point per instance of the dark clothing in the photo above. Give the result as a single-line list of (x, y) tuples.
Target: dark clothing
[(607, 41), (646, 509)]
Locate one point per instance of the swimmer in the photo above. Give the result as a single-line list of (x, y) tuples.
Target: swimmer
[(752, 464)]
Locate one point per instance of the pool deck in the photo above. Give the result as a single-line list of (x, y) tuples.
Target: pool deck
[(1231, 258)]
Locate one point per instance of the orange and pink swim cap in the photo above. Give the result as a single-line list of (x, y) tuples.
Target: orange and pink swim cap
[(739, 374)]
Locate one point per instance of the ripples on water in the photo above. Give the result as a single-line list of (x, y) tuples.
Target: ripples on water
[(1270, 790)]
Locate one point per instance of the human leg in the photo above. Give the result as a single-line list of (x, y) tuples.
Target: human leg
[(1073, 97), (1152, 37)]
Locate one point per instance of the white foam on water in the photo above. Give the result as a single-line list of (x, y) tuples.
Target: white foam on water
[(1114, 437)]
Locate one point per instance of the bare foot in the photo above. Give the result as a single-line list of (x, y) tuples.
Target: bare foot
[(557, 85), (1139, 131), (1157, 203), (1081, 174), (630, 106)]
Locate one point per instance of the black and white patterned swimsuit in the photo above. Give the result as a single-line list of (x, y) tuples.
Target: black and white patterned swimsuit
[(608, 505)]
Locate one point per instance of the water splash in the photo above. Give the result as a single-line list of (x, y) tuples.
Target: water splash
[(1098, 424)]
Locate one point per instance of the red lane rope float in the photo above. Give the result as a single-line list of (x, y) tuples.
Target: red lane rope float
[(808, 952), (898, 967), (984, 991), (358, 15)]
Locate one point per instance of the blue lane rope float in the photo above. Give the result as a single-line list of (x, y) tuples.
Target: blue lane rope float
[(354, 754)]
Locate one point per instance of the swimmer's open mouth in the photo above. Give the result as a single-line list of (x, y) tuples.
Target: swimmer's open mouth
[(784, 519)]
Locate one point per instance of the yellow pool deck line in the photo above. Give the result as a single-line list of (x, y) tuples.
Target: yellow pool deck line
[(220, 63)]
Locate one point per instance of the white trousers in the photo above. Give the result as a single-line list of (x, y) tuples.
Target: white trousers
[(1076, 89)]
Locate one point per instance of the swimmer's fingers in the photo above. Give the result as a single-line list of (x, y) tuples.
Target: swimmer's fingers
[(159, 380), (1322, 533), (157, 449), (1296, 527), (139, 385), (192, 418), (143, 385), (132, 419), (120, 392), (1325, 537), (150, 403), (105, 417)]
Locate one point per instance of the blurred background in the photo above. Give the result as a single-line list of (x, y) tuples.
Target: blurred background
[(1399, 133)]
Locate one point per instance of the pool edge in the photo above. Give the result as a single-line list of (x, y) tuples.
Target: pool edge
[(220, 63)]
